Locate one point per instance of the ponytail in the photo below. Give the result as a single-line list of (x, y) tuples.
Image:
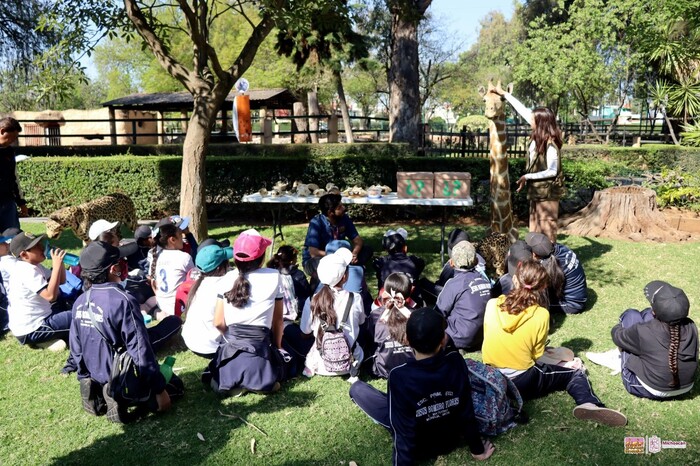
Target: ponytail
[(154, 258), (530, 282), (675, 331), (161, 240), (239, 295), (323, 309), (285, 257), (556, 275), (396, 323), (398, 285)]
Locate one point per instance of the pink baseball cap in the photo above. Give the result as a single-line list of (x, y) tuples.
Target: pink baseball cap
[(250, 245)]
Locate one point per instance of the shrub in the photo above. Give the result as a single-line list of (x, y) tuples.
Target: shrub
[(473, 123)]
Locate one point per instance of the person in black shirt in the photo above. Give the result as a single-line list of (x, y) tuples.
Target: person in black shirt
[(10, 193), (428, 408)]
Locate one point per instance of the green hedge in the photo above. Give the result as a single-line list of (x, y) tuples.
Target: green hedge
[(153, 181)]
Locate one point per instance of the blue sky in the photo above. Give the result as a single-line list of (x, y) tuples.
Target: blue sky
[(462, 16)]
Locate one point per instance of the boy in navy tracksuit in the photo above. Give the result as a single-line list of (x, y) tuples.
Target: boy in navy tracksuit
[(463, 300), (428, 408), (119, 318)]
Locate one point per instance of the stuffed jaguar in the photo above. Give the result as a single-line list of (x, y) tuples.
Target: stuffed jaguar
[(493, 248), (113, 207)]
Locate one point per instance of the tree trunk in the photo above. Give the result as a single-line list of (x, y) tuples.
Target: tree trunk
[(299, 125), (343, 107), (404, 92), (314, 111), (193, 192), (623, 212)]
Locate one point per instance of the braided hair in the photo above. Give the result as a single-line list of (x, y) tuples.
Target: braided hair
[(675, 331)]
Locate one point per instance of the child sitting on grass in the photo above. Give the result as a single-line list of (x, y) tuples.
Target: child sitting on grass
[(658, 347), (428, 408), (106, 317), (388, 325), (169, 268), (397, 258), (33, 289), (7, 263), (516, 329), (463, 299)]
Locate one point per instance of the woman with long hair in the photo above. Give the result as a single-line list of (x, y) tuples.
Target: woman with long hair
[(543, 177), (516, 328)]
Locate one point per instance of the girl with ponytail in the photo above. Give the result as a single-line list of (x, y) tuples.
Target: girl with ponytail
[(392, 348), (248, 313), (327, 308), (169, 267), (516, 330), (658, 347)]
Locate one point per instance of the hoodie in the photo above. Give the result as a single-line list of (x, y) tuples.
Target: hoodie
[(514, 341)]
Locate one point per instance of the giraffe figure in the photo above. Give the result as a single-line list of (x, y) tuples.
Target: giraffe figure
[(501, 207)]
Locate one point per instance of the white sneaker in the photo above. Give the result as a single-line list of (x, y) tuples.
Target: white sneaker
[(53, 345), (601, 415), (610, 359)]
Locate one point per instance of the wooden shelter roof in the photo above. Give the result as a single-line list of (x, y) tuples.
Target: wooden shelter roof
[(182, 101)]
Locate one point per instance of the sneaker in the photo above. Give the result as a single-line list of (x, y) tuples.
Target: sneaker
[(115, 412), (610, 359), (307, 372), (599, 414), (91, 394), (53, 345)]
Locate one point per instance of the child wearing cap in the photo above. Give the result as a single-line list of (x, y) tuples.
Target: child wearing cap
[(516, 329), (428, 408), (139, 259), (169, 268), (328, 305), (658, 347), (463, 299), (397, 259), (199, 332), (455, 237), (568, 289), (7, 263), (33, 289), (107, 317), (517, 253), (248, 313)]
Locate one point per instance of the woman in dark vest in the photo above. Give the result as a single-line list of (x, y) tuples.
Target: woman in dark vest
[(544, 177)]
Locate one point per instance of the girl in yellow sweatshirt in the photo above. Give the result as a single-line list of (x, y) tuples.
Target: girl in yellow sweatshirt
[(515, 334)]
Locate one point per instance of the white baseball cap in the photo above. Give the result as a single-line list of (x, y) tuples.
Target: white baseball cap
[(331, 268), (100, 226)]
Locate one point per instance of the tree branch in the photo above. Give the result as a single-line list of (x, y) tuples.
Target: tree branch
[(245, 58), (172, 66)]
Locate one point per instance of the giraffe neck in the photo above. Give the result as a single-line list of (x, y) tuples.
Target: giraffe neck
[(501, 209)]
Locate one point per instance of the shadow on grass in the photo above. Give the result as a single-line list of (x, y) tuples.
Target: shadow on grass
[(197, 427), (578, 345)]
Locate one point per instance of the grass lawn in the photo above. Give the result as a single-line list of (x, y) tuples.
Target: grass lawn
[(314, 422)]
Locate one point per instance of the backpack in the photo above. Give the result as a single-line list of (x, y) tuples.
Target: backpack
[(335, 351), (497, 402)]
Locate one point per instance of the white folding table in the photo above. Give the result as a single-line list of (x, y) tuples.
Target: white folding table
[(387, 199)]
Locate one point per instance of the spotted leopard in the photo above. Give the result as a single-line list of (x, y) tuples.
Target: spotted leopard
[(113, 207), (493, 248)]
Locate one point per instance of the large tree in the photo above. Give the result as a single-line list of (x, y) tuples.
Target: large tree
[(203, 74), (404, 78)]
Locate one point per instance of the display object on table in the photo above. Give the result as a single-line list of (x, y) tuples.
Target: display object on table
[(452, 185), (414, 185)]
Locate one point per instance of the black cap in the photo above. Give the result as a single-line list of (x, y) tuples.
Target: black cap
[(456, 236), (99, 256), (23, 242), (540, 244), (142, 232), (669, 303), (518, 252), (425, 329), (212, 242)]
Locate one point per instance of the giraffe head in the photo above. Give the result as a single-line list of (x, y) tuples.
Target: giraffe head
[(494, 100)]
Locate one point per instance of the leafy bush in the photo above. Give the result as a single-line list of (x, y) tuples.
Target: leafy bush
[(691, 134), (473, 123), (677, 190)]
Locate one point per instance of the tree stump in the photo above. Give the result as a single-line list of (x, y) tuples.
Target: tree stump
[(623, 212)]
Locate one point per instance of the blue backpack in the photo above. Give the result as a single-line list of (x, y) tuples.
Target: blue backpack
[(498, 406)]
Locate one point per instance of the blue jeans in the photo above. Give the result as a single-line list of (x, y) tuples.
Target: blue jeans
[(56, 326), (628, 319), (9, 218)]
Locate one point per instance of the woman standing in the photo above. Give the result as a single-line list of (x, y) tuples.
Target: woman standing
[(544, 177)]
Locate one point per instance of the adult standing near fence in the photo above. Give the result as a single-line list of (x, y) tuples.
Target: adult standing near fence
[(543, 177), (10, 192)]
